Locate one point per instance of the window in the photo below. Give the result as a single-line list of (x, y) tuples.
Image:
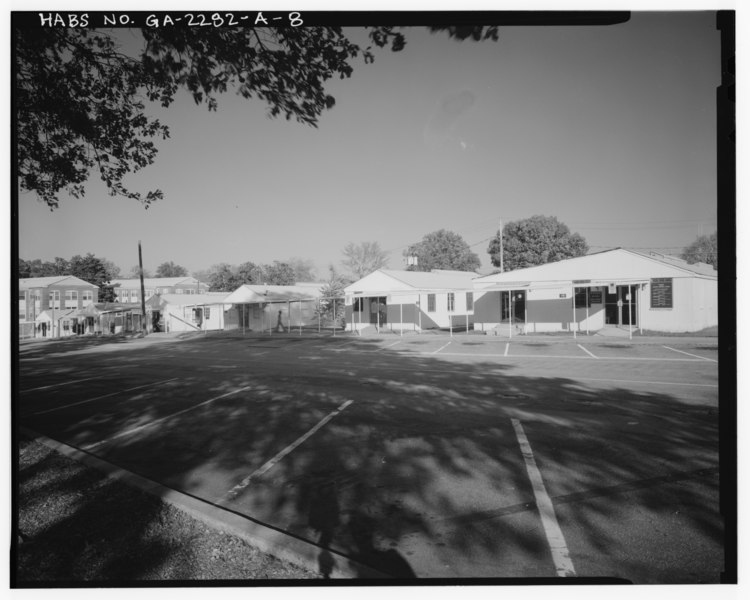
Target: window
[(256, 310), (88, 297), (133, 296), (469, 301), (71, 299), (661, 292), (207, 312), (451, 301), (430, 302), (123, 296), (179, 290), (582, 298), (357, 305), (54, 299)]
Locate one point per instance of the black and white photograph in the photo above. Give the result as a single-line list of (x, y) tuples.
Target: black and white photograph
[(373, 298)]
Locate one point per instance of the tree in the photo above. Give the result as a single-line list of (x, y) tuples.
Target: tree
[(442, 249), (81, 102), (362, 259), (333, 289), (304, 268), (135, 272), (278, 273), (94, 270), (704, 249), (535, 241), (170, 269), (222, 278)]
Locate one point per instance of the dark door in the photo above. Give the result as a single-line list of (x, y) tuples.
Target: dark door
[(513, 304), (621, 307)]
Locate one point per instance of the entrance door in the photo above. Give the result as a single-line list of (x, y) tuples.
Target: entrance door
[(378, 311), (516, 307), (616, 311)]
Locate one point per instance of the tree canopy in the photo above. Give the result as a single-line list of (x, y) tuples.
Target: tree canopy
[(81, 101), (170, 269), (442, 249), (704, 249), (98, 271), (535, 241), (362, 259)]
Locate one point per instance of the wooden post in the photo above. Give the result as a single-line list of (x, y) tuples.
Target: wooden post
[(630, 312), (143, 288)]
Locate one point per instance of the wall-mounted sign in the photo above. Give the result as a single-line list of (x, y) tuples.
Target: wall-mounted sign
[(612, 288), (595, 297), (563, 295)]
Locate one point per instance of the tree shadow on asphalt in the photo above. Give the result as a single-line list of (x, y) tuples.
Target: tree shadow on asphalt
[(425, 457)]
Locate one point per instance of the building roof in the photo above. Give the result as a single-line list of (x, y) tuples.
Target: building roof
[(412, 281), (152, 282), (26, 283), (251, 294), (615, 266), (192, 299)]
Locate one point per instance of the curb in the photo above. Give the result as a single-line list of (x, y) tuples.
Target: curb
[(266, 539)]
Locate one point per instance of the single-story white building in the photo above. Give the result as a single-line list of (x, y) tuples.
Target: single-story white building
[(187, 312), (274, 307), (411, 300), (614, 288)]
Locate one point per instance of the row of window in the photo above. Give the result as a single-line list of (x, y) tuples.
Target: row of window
[(133, 295), (431, 302)]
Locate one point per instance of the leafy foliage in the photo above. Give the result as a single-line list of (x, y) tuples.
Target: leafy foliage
[(304, 268), (279, 273), (227, 278), (170, 269), (364, 258), (705, 249), (443, 249), (81, 103), (535, 241), (330, 311), (98, 271)]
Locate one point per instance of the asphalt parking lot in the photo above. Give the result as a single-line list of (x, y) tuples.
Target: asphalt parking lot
[(417, 456)]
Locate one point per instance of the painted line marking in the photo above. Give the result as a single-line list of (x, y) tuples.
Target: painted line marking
[(563, 356), (709, 385), (438, 350), (388, 346), (138, 387), (591, 354), (46, 387), (231, 494), (555, 538), (688, 353), (507, 347), (161, 419)]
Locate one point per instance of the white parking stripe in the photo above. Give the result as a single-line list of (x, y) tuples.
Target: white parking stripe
[(270, 464), (507, 347), (710, 385), (138, 387), (439, 349), (555, 538), (688, 353), (161, 419), (586, 351), (388, 346), (46, 387), (562, 356)]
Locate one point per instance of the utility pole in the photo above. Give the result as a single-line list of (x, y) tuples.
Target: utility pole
[(143, 291), (501, 245)]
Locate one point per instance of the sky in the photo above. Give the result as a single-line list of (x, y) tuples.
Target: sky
[(610, 129)]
